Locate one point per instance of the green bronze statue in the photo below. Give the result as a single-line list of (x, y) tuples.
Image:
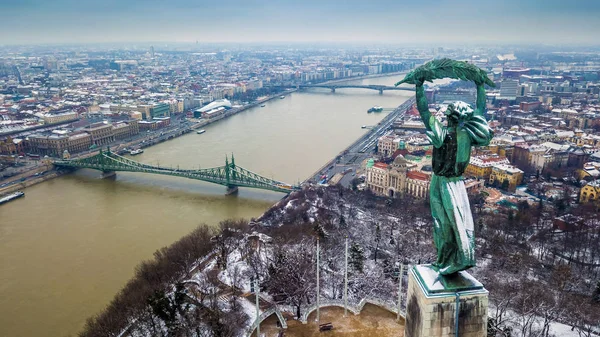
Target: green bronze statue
[(453, 223)]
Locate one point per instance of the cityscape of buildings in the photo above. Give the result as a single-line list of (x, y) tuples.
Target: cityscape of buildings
[(545, 114), (53, 102)]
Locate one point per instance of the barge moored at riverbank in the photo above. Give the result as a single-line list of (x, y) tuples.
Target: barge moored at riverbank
[(11, 197)]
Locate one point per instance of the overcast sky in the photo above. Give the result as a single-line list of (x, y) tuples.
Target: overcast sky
[(392, 21)]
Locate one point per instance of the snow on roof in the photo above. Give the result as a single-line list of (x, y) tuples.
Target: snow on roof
[(555, 146), (507, 168), (488, 161), (594, 183)]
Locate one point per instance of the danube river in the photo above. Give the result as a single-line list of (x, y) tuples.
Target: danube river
[(73, 242)]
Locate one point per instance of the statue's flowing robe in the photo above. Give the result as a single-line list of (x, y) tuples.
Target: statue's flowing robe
[(453, 223)]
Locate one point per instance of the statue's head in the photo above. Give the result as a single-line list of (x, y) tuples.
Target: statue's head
[(458, 111)]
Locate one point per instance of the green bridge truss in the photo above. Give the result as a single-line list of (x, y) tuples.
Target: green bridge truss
[(230, 175)]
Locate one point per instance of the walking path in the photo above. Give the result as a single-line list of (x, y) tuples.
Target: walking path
[(372, 321)]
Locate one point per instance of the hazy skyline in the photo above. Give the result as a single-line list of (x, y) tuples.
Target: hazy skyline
[(378, 21)]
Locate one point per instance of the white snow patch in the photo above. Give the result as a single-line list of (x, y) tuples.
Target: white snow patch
[(249, 309)]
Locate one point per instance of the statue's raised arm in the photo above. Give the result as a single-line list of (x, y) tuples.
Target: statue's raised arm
[(475, 125)]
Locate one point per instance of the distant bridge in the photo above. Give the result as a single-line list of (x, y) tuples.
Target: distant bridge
[(229, 175), (334, 87)]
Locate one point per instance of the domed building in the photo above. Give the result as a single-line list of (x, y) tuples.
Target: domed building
[(398, 178)]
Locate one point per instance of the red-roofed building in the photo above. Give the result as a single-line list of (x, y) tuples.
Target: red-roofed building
[(400, 177), (418, 175), (412, 111), (400, 152), (381, 165), (529, 106), (417, 183)]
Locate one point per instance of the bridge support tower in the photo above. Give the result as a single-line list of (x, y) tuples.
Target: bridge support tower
[(333, 90), (381, 91), (231, 190), (108, 174)]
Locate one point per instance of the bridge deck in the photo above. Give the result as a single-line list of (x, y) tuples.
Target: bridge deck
[(229, 175), (343, 86)]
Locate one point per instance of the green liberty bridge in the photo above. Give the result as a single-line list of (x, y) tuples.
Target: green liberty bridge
[(229, 175)]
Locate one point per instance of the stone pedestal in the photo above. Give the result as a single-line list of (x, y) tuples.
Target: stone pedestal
[(432, 301)]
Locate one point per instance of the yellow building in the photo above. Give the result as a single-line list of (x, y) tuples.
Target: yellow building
[(124, 130), (386, 145), (481, 166), (507, 176), (52, 145), (79, 142), (10, 146), (590, 192), (145, 111), (101, 133), (492, 148), (59, 118), (590, 171)]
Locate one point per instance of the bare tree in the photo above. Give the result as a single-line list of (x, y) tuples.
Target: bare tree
[(292, 276)]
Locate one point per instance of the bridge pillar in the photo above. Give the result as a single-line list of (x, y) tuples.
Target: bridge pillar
[(381, 91), (108, 174), (333, 90), (231, 190)]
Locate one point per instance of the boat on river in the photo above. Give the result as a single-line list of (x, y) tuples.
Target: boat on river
[(375, 109), (136, 152), (11, 197), (200, 131)]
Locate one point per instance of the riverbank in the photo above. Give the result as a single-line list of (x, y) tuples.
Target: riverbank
[(28, 178), (233, 112), (30, 182)]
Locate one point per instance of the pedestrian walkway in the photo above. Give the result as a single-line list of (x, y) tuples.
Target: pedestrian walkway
[(372, 321)]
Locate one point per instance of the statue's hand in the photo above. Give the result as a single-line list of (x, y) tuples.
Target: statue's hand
[(481, 79)]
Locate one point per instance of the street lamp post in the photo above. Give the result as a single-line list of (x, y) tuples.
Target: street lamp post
[(346, 281), (256, 290), (400, 290), (318, 295)]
